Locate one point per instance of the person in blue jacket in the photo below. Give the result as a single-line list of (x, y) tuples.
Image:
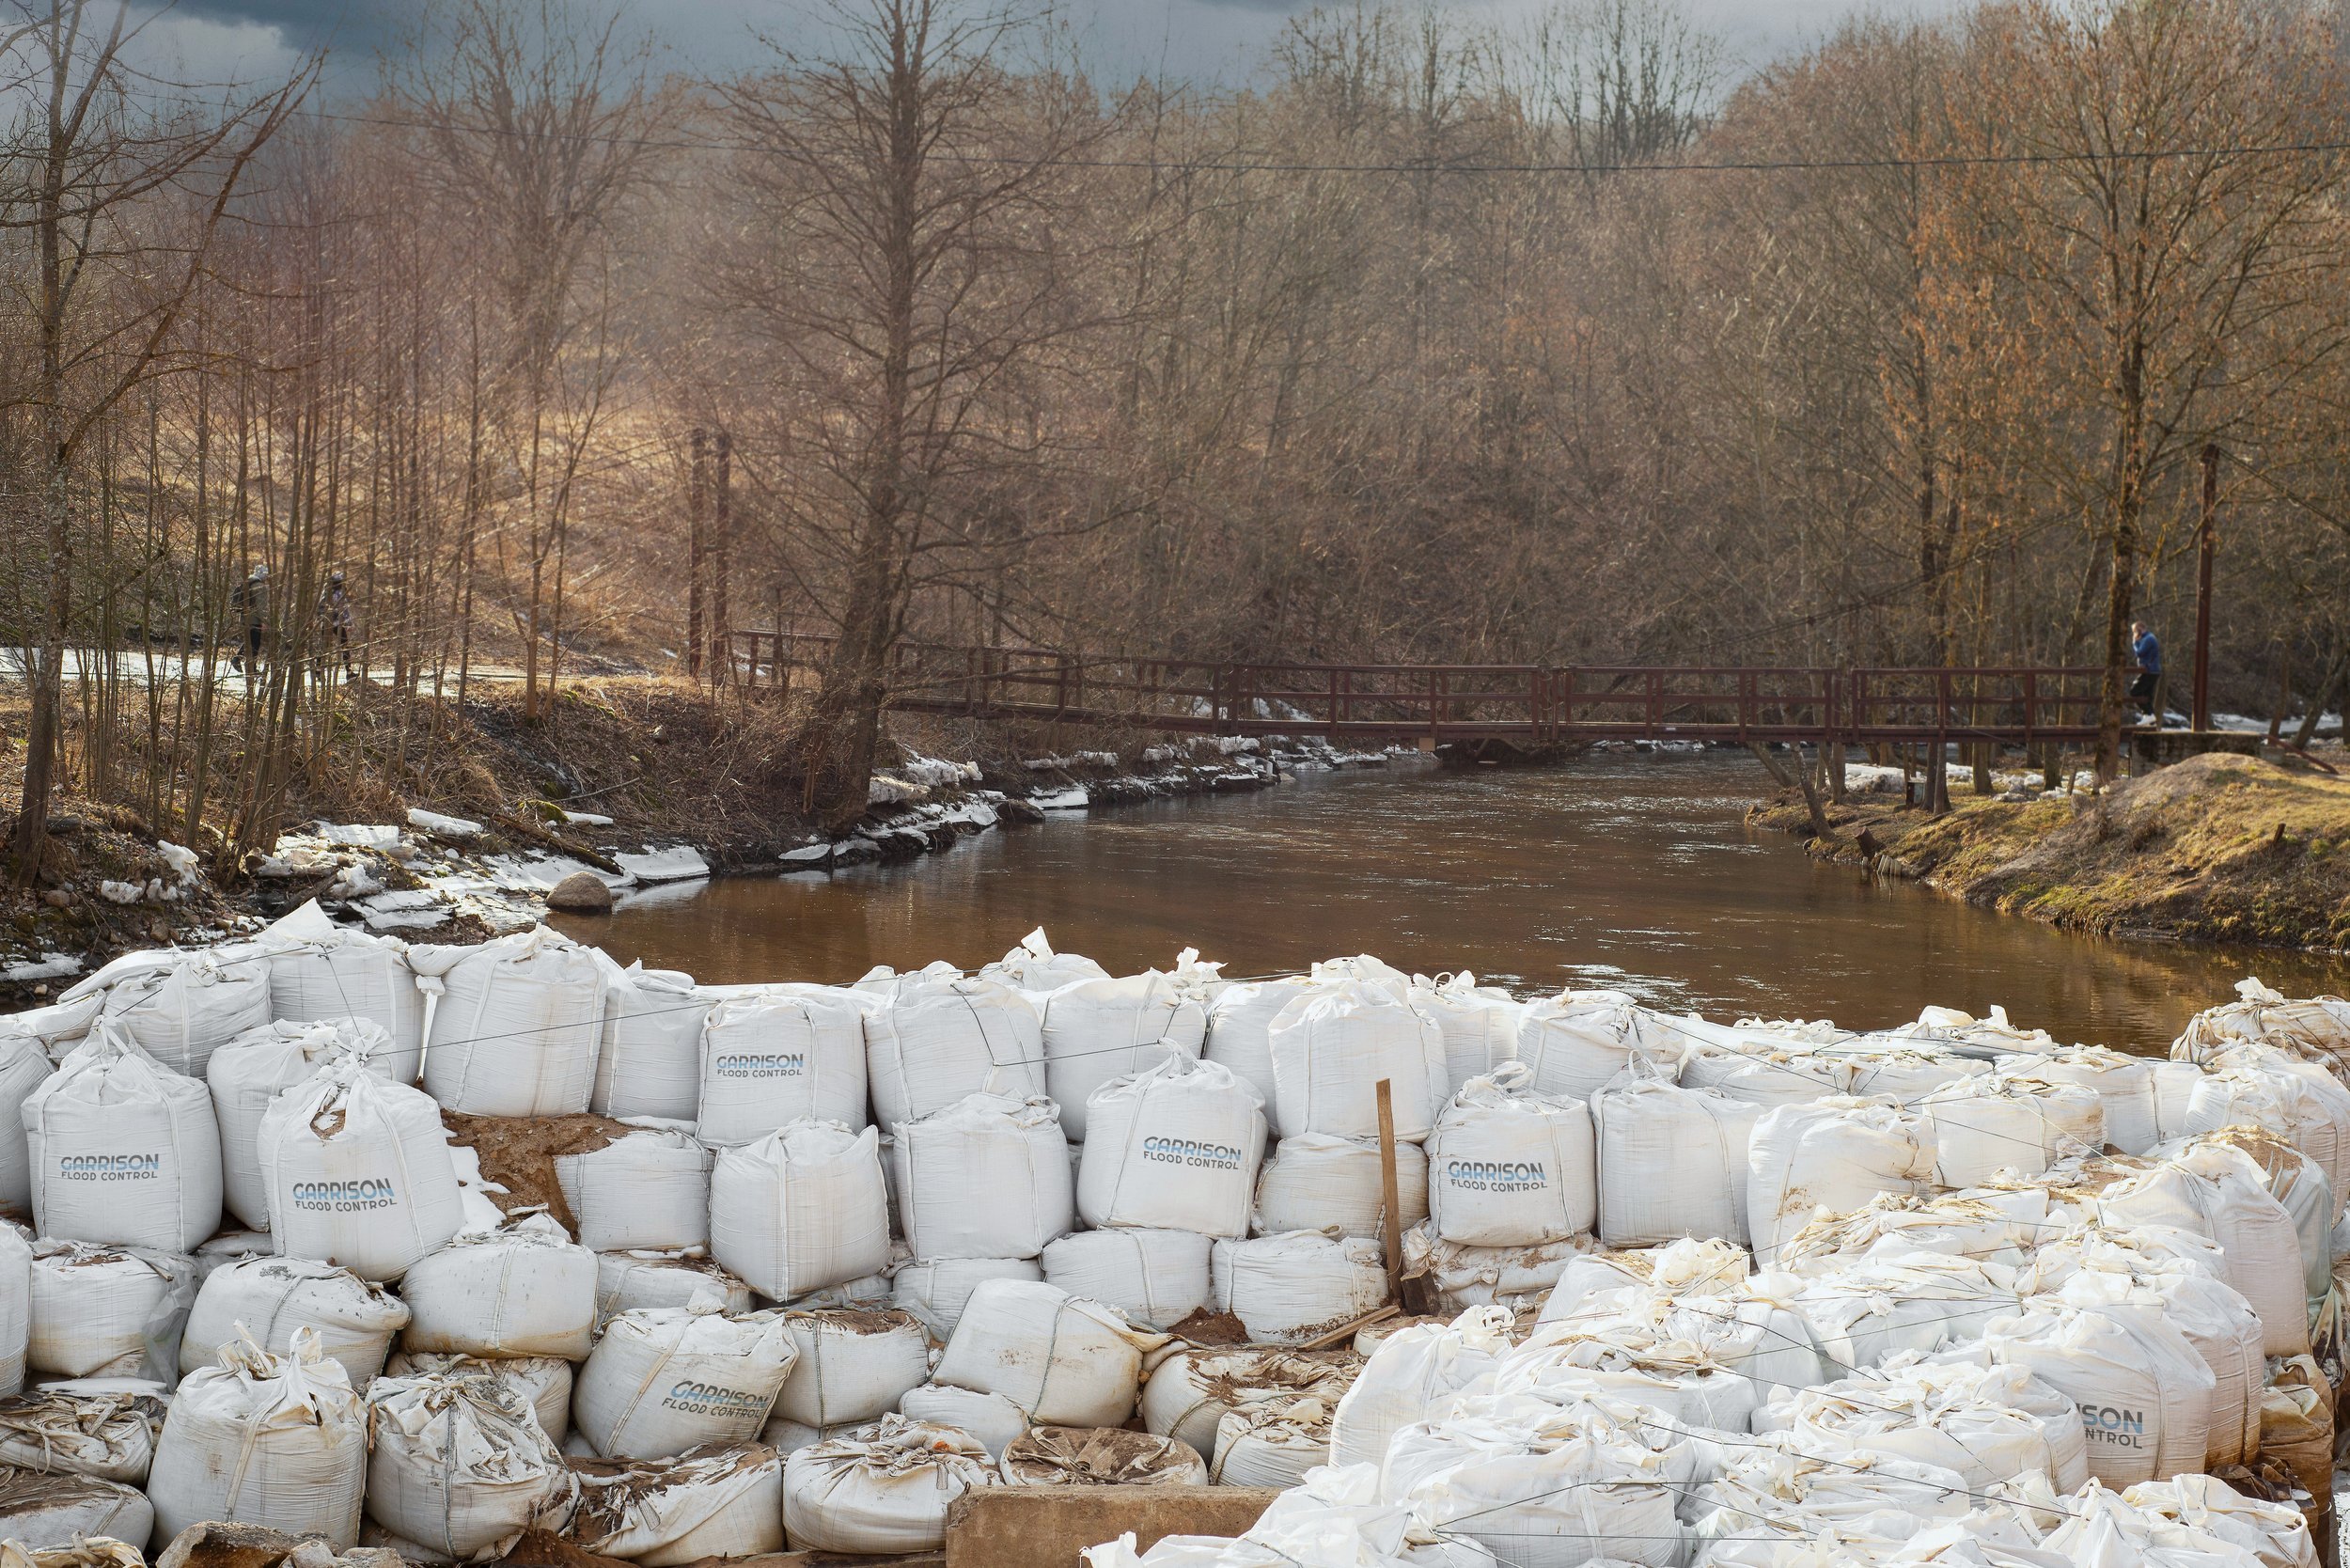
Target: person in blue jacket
[(2149, 654)]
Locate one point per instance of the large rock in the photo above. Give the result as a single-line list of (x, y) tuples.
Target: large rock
[(580, 893)]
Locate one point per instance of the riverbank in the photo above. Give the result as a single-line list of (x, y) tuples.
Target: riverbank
[(2214, 849)]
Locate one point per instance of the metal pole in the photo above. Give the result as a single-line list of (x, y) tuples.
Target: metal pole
[(697, 497), (2205, 545)]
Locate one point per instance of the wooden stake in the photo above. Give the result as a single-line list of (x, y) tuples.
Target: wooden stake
[(1390, 1222)]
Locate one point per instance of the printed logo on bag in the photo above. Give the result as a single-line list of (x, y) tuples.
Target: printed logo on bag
[(1496, 1175), (109, 1168), (2114, 1427), (346, 1198), (1183, 1150), (709, 1398), (742, 1066)]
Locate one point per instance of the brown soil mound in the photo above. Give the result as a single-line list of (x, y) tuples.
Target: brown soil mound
[(519, 1153), (1204, 1327)]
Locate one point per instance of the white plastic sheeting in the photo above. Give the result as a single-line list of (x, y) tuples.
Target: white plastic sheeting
[(986, 1177), (358, 1172), (180, 1007), (279, 1442), (853, 1365), (1832, 1154), (2217, 1193), (1292, 1287), (252, 1070), (1876, 1307), (524, 1289), (274, 1299), (934, 1037), (514, 1024), (663, 1380), (1331, 1046), (1065, 1361), (647, 1189), (461, 1467), (319, 970), (2144, 1395), (1577, 1043), (107, 1311), (935, 1292), (1480, 1022), (884, 1494), (1316, 1181), (1094, 1031), (627, 1280), (1156, 1278), (649, 1060), (2277, 1534), (661, 1512), (123, 1149), (800, 1208), (1174, 1147), (1510, 1167), (1410, 1376), (1672, 1163), (776, 1057)]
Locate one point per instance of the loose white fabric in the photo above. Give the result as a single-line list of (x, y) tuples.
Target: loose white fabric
[(320, 971), (180, 1007), (278, 1442), (646, 1190), (1191, 1390), (358, 1172), (1094, 1031), (1508, 1167), (544, 1382), (1292, 1287), (1331, 1046), (884, 1494), (107, 1311), (1156, 1278), (461, 1465), (109, 1433), (274, 1298), (1318, 1181), (1576, 1043), (1672, 1163), (515, 1023), (853, 1365), (1833, 1156), (1876, 1308), (932, 1038), (649, 1060), (776, 1057), (1034, 966), (2215, 1192), (1099, 1456), (661, 1512), (663, 1380), (1410, 1376), (1065, 1361), (986, 1177), (252, 1070), (1175, 1147), (991, 1419), (935, 1292), (61, 1507), (524, 1289), (800, 1208), (1480, 1022), (123, 1149)]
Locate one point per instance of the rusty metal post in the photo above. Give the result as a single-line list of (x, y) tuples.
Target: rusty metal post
[(1390, 1192), (697, 500), (2205, 543)]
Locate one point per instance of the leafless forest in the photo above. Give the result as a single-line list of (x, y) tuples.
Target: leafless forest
[(1566, 343)]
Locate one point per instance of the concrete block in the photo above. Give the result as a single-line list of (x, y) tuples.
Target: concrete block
[(1046, 1526)]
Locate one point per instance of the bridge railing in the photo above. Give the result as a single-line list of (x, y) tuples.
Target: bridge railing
[(1524, 702)]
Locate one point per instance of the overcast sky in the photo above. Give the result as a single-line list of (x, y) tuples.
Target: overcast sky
[(215, 40)]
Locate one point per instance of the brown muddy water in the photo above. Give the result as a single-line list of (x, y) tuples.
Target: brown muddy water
[(1630, 871)]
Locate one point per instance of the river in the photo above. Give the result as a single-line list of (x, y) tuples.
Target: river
[(1634, 871)]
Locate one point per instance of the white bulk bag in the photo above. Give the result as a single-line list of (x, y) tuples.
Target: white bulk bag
[(1035, 966), (800, 1208), (884, 1495), (1239, 1024), (1156, 1278), (2217, 1193), (2301, 1189), (1175, 1148), (2275, 1534), (986, 1177), (123, 1149), (1508, 1167), (461, 1467), (1190, 1391), (932, 1038), (647, 1189), (358, 1172), (524, 1289), (2124, 1085), (2143, 1393), (991, 1419), (935, 1292), (1990, 1424), (1330, 1048), (627, 1280), (1271, 1445), (663, 1380), (252, 1070), (1672, 1163), (1883, 1068), (1577, 1043), (24, 1068), (1292, 1287), (1588, 1491), (321, 971), (1832, 1154), (1684, 1268), (55, 1029), (1480, 1022), (2314, 1029), (1986, 1125), (776, 1057), (2174, 1089), (1762, 1070), (274, 1298), (276, 1442), (515, 1023), (853, 1365), (660, 1513), (107, 1311), (1775, 1495), (1065, 1361), (16, 1307), (1410, 1375), (1687, 1390), (1094, 1031), (648, 1060), (544, 1382), (107, 1434), (1099, 1456), (1318, 1181), (60, 1507), (179, 1007), (2301, 1103), (1460, 1276), (1876, 1308)]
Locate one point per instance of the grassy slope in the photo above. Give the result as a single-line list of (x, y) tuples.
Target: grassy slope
[(2217, 848)]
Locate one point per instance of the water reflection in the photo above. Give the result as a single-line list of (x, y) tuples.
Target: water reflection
[(1630, 871)]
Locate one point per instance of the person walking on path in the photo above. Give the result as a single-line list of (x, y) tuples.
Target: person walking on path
[(2149, 654), (250, 602), (336, 620)]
